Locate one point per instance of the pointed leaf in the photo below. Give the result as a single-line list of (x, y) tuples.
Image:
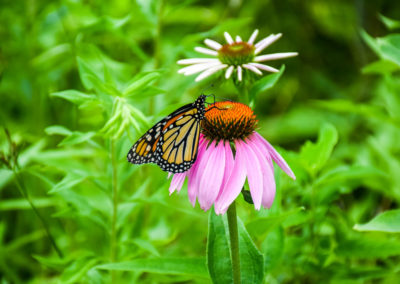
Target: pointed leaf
[(388, 221), (74, 96), (267, 82), (140, 83), (315, 155), (175, 266), (218, 253)]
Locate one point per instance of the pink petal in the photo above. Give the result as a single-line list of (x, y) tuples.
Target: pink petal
[(203, 161), (234, 185), (193, 172), (229, 162), (254, 174), (177, 182), (213, 173), (275, 156), (269, 187)]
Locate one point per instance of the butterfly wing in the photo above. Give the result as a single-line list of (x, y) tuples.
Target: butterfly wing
[(173, 142), (145, 149), (179, 142)]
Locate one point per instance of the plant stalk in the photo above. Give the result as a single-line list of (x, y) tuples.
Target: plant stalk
[(24, 193), (234, 239), (114, 185)]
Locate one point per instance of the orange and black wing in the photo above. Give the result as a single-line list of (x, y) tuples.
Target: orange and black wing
[(144, 150), (172, 143), (179, 142)]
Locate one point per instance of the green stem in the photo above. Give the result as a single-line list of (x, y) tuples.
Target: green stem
[(157, 39), (24, 193), (234, 238), (244, 96), (157, 49), (113, 247)]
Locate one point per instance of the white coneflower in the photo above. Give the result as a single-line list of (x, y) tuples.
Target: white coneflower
[(234, 56)]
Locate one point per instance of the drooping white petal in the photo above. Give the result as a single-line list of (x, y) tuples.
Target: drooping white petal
[(197, 60), (206, 51), (210, 71), (196, 68), (264, 67), (238, 39), (274, 56), (253, 37), (229, 71), (252, 68), (228, 38), (212, 44), (239, 73), (260, 46)]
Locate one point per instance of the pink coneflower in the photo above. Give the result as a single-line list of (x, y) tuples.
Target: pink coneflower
[(235, 57), (218, 175)]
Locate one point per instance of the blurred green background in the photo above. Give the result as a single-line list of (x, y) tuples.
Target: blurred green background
[(80, 81)]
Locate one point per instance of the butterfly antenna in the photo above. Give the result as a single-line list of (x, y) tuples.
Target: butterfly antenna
[(209, 87)]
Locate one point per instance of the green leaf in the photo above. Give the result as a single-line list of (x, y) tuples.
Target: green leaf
[(77, 137), (77, 270), (380, 67), (23, 204), (86, 73), (251, 259), (367, 111), (175, 266), (146, 245), (315, 155), (100, 86), (23, 240), (218, 253), (6, 176), (367, 247), (69, 181), (260, 227), (57, 130), (52, 56), (267, 82), (390, 23), (370, 41), (387, 47), (344, 174), (74, 96), (32, 152), (388, 222), (139, 83), (52, 262), (272, 247)]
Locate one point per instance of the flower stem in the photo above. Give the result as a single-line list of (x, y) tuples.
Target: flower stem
[(234, 238), (244, 95), (24, 193), (113, 246)]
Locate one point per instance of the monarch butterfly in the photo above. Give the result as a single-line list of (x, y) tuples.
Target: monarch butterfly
[(172, 142)]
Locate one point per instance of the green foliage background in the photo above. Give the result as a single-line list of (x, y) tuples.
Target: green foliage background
[(82, 80)]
